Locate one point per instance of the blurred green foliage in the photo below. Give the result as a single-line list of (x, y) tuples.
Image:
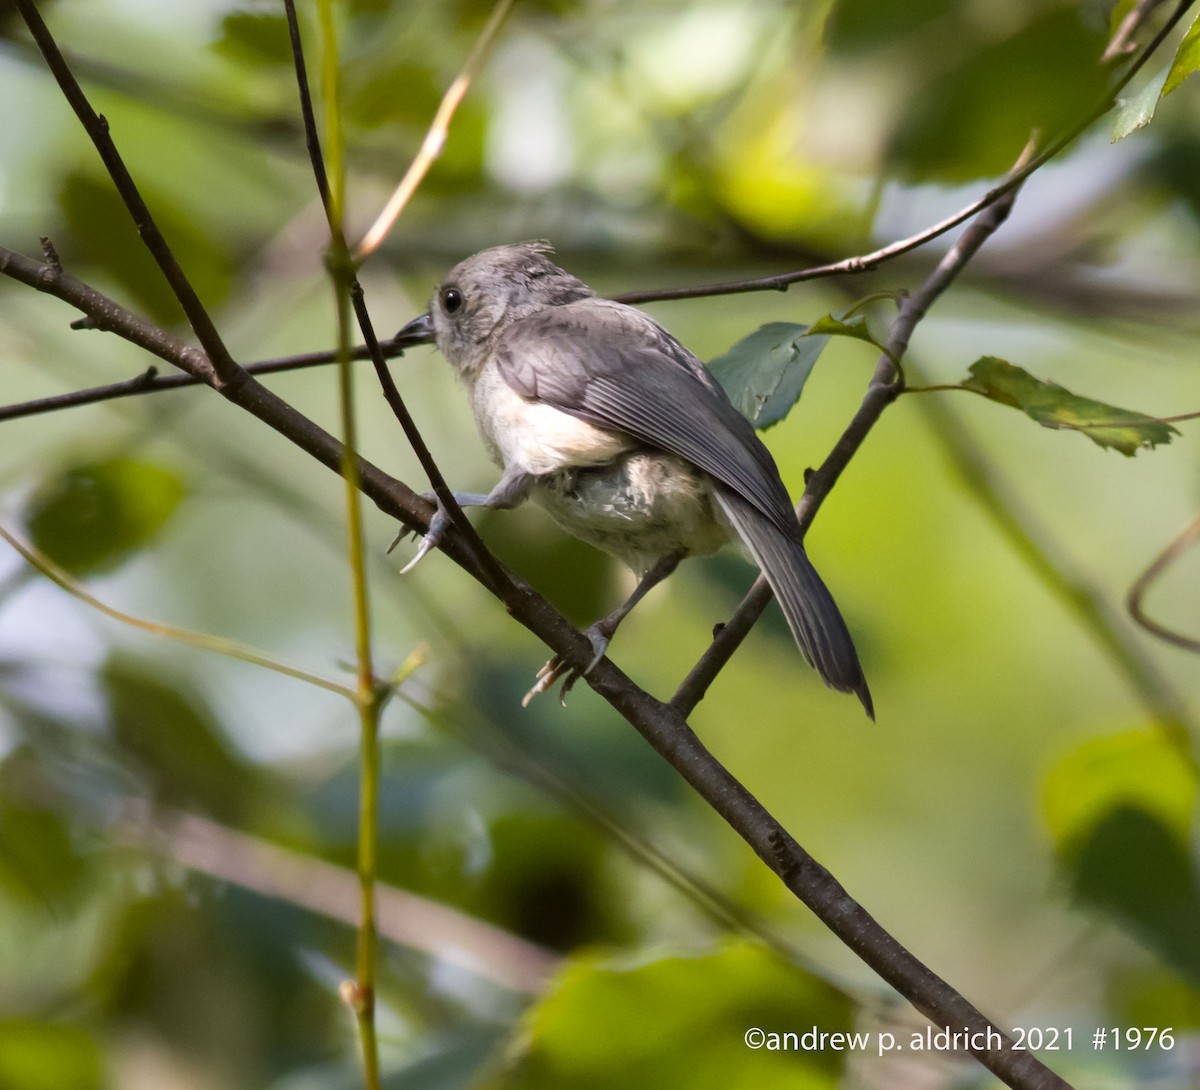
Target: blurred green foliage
[(591, 1030), (94, 515), (1023, 817)]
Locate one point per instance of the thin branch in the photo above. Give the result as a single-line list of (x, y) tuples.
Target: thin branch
[(204, 642), (1122, 41), (49, 278), (435, 138), (885, 386), (221, 367), (866, 262), (374, 348), (150, 381), (311, 141), (360, 994), (408, 919), (1184, 540)]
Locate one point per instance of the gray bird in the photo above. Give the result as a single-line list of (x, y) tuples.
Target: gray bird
[(597, 413)]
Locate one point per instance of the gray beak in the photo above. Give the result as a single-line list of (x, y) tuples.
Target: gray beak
[(418, 331)]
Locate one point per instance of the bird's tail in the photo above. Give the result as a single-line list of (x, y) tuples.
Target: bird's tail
[(811, 612)]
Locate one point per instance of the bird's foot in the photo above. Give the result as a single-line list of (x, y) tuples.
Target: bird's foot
[(556, 669), (432, 537)]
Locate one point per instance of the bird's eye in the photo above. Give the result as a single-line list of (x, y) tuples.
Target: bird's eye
[(452, 300)]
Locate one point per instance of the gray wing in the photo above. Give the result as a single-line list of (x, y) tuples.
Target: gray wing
[(617, 368)]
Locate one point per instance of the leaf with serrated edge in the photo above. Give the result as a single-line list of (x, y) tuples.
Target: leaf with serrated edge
[(1054, 406)]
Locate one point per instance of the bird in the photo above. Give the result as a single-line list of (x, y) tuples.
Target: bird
[(591, 409)]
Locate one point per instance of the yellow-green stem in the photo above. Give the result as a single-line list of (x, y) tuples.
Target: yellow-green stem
[(362, 995)]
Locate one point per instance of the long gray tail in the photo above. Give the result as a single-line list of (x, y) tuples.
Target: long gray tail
[(811, 612)]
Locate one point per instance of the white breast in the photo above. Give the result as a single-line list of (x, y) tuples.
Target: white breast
[(534, 437)]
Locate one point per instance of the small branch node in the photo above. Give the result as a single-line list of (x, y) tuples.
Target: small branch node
[(50, 254)]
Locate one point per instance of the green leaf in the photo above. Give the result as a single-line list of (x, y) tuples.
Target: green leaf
[(177, 744), (1053, 406), (1187, 58), (93, 516), (1137, 111), (867, 24), (254, 38), (764, 373), (1136, 768), (709, 1002), (1135, 870), (48, 1056), (38, 860), (1121, 809)]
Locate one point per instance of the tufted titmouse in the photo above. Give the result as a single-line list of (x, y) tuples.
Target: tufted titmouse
[(595, 411)]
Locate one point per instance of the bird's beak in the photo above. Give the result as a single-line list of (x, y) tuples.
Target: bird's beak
[(418, 331)]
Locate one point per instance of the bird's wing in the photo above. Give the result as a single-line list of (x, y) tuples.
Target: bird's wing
[(809, 608), (617, 368)]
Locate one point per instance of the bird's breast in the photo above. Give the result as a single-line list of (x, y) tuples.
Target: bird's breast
[(534, 437)]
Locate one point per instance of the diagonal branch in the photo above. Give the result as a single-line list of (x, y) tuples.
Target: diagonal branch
[(866, 262), (220, 366), (885, 386), (150, 381), (374, 348), (435, 138)]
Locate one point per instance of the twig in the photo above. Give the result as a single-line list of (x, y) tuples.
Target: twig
[(408, 919), (435, 138), (150, 381), (220, 367), (360, 994), (374, 348), (204, 642), (866, 262), (1122, 42), (1180, 544)]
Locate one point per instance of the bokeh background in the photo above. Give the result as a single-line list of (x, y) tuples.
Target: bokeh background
[(1021, 816)]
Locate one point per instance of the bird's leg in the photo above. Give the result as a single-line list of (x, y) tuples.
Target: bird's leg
[(600, 633), (510, 490)]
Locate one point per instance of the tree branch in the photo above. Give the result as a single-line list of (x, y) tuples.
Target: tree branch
[(1122, 41), (150, 381), (221, 367), (496, 576), (885, 386), (868, 261), (420, 923)]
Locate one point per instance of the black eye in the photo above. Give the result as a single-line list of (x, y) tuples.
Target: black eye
[(452, 300)]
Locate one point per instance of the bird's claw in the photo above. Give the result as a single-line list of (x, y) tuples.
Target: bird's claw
[(557, 669), (432, 538)]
